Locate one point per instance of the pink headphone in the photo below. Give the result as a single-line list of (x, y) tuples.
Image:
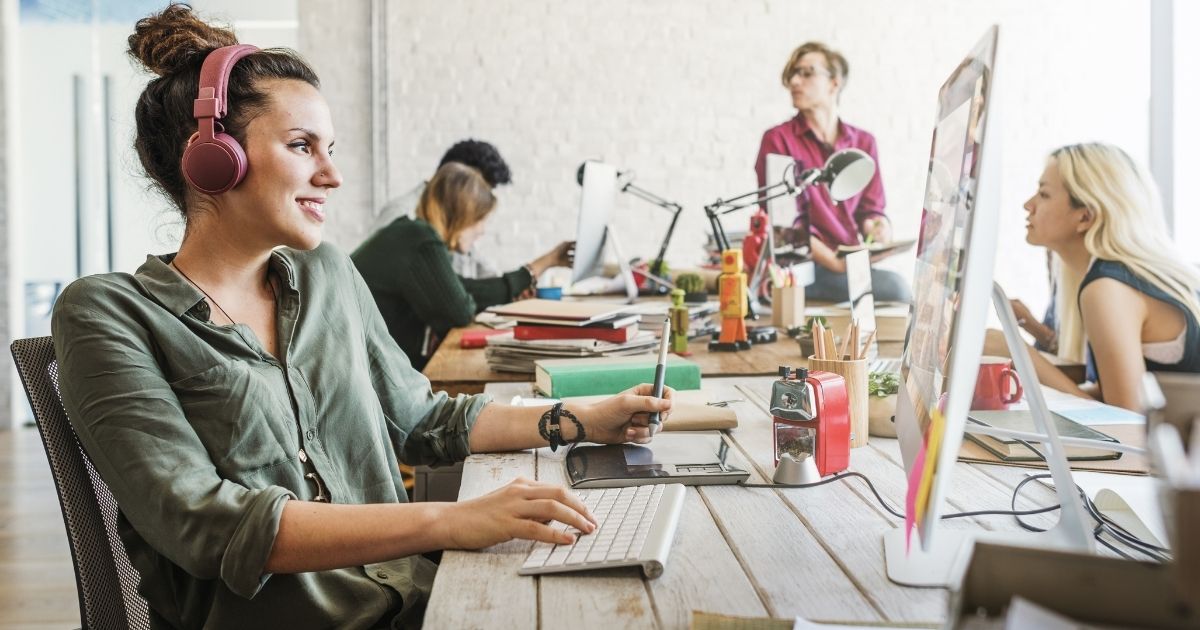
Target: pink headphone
[(214, 162)]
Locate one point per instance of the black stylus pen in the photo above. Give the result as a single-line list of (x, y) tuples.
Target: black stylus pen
[(660, 373)]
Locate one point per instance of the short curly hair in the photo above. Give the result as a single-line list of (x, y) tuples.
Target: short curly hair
[(482, 157)]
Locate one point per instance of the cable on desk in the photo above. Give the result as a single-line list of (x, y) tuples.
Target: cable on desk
[(1104, 524), (893, 511)]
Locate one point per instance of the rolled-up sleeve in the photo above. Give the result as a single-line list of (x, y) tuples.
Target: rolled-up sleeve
[(133, 427), (426, 427)]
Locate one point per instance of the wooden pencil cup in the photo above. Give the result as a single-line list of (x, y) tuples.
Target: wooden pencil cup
[(787, 307), (855, 373)]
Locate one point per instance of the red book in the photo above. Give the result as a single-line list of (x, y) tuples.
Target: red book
[(614, 335), (477, 338)]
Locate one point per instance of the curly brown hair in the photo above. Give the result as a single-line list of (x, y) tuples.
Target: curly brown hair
[(173, 44)]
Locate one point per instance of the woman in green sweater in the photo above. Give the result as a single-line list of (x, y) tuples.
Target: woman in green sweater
[(408, 269)]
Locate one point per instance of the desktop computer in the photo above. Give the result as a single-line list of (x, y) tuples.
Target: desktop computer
[(593, 231), (953, 288)]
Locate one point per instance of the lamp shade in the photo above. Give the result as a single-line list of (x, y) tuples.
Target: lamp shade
[(847, 173)]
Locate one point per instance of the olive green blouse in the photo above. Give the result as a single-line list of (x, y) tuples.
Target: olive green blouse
[(203, 437)]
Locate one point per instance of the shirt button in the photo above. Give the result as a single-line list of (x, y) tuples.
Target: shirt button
[(310, 434), (381, 575)]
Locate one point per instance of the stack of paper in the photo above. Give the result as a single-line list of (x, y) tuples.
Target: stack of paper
[(507, 354)]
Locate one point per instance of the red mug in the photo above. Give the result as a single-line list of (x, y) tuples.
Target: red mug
[(998, 385)]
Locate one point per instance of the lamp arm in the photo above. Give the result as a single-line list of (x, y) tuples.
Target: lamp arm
[(756, 193), (645, 195), (714, 219), (790, 192), (656, 268)]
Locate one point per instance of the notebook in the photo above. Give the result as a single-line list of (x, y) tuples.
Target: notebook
[(1011, 450)]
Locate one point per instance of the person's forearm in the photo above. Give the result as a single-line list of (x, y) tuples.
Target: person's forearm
[(322, 536), (1042, 333), (507, 428), (825, 256)]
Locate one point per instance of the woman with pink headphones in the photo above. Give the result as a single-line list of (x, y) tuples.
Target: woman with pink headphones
[(243, 399)]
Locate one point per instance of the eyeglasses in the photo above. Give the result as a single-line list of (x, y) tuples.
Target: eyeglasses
[(807, 72)]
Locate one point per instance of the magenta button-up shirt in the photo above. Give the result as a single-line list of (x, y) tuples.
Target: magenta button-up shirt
[(835, 224)]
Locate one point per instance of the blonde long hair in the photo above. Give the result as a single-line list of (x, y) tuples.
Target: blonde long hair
[(1128, 226), (455, 199)]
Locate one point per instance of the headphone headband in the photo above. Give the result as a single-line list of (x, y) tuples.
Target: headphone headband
[(212, 102)]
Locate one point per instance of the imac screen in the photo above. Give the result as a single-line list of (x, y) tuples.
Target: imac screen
[(951, 283)]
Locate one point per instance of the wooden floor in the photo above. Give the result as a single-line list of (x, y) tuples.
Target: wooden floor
[(37, 581)]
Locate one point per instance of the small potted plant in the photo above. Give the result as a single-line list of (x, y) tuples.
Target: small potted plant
[(693, 288), (881, 403), (803, 335)]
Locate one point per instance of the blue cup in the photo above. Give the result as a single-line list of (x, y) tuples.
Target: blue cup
[(550, 293)]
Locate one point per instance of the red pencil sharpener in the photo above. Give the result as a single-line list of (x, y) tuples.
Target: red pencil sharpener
[(810, 412)]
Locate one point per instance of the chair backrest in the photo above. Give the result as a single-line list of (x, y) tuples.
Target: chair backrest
[(107, 583)]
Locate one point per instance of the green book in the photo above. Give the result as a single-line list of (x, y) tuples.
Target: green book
[(561, 378)]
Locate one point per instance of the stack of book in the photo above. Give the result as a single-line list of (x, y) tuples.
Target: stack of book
[(547, 329), (700, 316)]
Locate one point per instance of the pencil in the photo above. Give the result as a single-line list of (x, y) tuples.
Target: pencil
[(830, 345), (862, 354), (818, 335)]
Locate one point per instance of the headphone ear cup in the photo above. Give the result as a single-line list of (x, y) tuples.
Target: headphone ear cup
[(214, 166)]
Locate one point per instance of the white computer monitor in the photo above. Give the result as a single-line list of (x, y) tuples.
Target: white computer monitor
[(952, 283), (593, 228), (596, 201), (953, 294)]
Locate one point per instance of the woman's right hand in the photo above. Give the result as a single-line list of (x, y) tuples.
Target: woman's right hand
[(563, 255), (521, 509)]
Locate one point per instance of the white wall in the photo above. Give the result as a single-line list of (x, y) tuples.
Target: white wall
[(9, 382), (681, 91), (1187, 127)]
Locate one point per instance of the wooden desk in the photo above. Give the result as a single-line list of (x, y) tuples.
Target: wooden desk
[(459, 371), (815, 552)]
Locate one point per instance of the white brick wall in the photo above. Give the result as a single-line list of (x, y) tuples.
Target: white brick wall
[(681, 91)]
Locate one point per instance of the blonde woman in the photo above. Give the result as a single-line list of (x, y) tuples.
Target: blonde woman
[(1099, 212), (407, 265)]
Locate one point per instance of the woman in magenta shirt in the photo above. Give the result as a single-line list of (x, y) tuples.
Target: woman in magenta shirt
[(815, 76)]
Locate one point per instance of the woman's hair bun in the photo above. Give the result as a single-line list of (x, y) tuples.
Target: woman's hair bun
[(175, 39)]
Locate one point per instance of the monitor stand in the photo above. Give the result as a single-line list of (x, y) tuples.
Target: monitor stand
[(945, 557), (625, 271)]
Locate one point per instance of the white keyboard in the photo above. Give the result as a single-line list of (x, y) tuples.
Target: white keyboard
[(636, 528)]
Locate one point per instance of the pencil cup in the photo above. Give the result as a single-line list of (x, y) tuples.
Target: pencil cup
[(855, 373), (787, 307)]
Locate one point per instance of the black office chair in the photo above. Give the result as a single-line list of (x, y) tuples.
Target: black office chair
[(107, 584)]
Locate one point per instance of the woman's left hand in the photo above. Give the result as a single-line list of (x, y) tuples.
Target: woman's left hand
[(625, 416)]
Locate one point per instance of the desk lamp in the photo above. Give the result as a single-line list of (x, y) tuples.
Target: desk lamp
[(845, 174)]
